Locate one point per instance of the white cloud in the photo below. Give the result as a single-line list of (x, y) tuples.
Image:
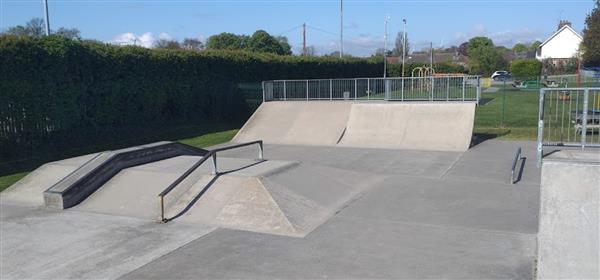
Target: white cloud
[(146, 40)]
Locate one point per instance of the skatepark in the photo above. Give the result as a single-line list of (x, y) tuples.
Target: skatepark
[(306, 189)]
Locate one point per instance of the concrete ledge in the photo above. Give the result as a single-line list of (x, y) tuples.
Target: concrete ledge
[(86, 179)]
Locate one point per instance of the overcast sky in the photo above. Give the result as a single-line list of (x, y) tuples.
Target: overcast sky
[(443, 22)]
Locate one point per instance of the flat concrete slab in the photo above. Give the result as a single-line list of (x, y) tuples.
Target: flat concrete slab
[(65, 244), (357, 213)]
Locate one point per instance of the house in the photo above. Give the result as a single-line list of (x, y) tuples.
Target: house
[(562, 46)]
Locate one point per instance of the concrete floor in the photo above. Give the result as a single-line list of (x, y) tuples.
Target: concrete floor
[(404, 214)]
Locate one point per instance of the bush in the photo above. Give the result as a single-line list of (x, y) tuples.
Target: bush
[(525, 69), (56, 92)]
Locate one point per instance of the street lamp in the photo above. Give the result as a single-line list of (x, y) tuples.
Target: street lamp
[(385, 38), (403, 45)]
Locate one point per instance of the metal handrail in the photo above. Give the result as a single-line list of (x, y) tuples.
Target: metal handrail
[(514, 165), (211, 153)]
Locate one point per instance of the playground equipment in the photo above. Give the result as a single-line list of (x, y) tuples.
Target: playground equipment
[(422, 72)]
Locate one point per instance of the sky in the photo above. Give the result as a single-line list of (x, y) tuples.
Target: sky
[(442, 22)]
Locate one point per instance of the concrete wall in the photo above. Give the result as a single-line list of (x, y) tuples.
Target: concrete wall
[(568, 246)]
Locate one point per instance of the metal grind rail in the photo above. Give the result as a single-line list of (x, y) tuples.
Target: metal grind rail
[(428, 88), (518, 157), (568, 117), (211, 154)]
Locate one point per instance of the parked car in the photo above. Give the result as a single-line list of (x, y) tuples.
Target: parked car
[(501, 76), (592, 121)]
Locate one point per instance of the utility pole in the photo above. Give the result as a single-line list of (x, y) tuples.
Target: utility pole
[(341, 28), (431, 54), (403, 46), (45, 2), (304, 39), (385, 38)]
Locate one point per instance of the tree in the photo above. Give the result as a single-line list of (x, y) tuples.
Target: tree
[(226, 41), (535, 45), (484, 58), (261, 41), (34, 28), (400, 43), (463, 49), (526, 68), (310, 51), (69, 33), (285, 45), (520, 48), (591, 38), (167, 44), (192, 44)]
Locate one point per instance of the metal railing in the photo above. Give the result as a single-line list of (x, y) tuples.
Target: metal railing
[(568, 117), (516, 159), (211, 154), (431, 88)]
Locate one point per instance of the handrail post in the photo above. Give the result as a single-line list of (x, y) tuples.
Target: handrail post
[(260, 151), (330, 89), (214, 158), (355, 88), (263, 90), (586, 94), (161, 203), (284, 91), (540, 137), (463, 88)]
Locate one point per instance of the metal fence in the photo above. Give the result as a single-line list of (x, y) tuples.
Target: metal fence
[(568, 117), (432, 88)]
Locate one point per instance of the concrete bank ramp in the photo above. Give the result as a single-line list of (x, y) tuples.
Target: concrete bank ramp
[(297, 123), (439, 126), (410, 126)]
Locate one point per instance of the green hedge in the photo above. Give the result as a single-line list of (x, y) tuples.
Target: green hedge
[(57, 93), (526, 69)]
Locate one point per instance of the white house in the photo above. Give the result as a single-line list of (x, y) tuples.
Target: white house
[(562, 45)]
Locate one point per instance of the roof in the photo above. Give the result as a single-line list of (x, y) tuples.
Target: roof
[(559, 31)]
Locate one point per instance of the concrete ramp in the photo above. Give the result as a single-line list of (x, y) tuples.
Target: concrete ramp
[(297, 123), (411, 126), (440, 126)]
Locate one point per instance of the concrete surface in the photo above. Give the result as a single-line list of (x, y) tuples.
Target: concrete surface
[(568, 240), (410, 126), (296, 122), (331, 212)]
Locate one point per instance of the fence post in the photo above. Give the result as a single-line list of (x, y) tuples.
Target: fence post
[(448, 88), (478, 89), (214, 158), (463, 88), (431, 91), (263, 90), (330, 89), (355, 88), (386, 84), (586, 94), (260, 151), (284, 93), (402, 90), (540, 136), (306, 89), (368, 89)]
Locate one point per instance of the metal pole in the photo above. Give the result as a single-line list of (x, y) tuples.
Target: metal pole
[(46, 18), (368, 88), (403, 51), (385, 37), (355, 87), (586, 94), (284, 92), (306, 89), (260, 151), (463, 88), (503, 101), (330, 89), (304, 39), (263, 90), (341, 28), (540, 137), (214, 158)]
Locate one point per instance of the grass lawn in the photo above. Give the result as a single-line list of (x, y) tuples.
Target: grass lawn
[(201, 141), (520, 114)]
